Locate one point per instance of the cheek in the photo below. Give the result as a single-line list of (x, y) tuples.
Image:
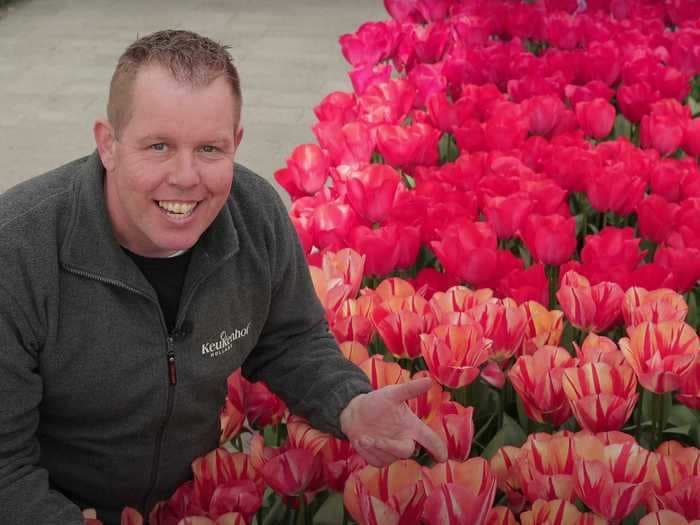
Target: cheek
[(144, 177), (217, 180)]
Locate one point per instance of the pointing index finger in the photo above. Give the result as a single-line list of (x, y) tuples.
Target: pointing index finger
[(406, 391)]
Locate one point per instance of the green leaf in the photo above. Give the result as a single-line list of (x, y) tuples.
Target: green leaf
[(681, 415), (648, 405), (684, 430), (622, 127), (331, 512), (694, 106), (511, 434)]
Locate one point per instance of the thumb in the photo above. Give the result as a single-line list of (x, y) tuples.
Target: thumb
[(406, 391)]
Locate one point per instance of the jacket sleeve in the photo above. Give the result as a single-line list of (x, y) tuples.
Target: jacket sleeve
[(25, 496), (296, 355)]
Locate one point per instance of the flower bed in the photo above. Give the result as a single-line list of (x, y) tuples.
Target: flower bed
[(508, 203)]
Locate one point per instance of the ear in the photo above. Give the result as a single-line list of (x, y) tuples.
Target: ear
[(239, 136), (106, 142)]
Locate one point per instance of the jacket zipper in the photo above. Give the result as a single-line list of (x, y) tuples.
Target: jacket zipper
[(172, 377)]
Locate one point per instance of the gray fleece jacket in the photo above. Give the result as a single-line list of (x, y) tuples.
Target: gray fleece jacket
[(99, 405)]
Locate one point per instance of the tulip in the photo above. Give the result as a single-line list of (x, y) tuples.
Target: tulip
[(665, 476), (558, 512), (400, 321), (380, 246), (599, 349), (661, 132), (546, 467), (392, 494), (331, 224), (181, 504), (551, 239), (394, 288), (354, 351), (339, 460), (689, 393), (454, 354), (372, 190), (526, 285), (348, 144), (596, 117), (386, 103), (656, 218), (666, 517), (351, 321), (308, 168), (454, 424), (500, 516), (382, 373), (616, 188), (337, 107), (506, 131), (233, 413), (663, 304), (468, 250), (364, 77), (505, 465), (682, 262), (683, 498), (537, 379), (458, 299), (544, 112), (506, 214), (589, 308), (445, 115), (430, 281), (458, 492), (612, 247), (691, 138), (503, 322), (370, 44), (262, 406), (614, 485), (428, 80), (544, 327), (661, 353), (635, 100), (601, 397)]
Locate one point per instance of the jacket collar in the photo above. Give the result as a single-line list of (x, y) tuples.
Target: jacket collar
[(91, 248)]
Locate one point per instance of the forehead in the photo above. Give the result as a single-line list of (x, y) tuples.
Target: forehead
[(161, 104)]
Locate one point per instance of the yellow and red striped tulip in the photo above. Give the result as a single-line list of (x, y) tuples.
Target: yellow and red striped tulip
[(331, 292), (458, 492), (547, 467), (339, 460), (599, 349), (689, 393), (689, 457), (390, 288), (665, 475), (454, 424), (347, 265), (543, 328), (663, 304), (589, 308), (231, 518), (505, 465), (537, 379), (614, 485), (501, 516), (388, 495), (666, 517), (454, 354), (351, 321), (503, 322), (300, 434), (661, 353), (458, 299), (558, 512), (683, 498), (670, 448), (354, 351), (427, 405), (601, 397), (382, 373), (233, 413), (400, 322)]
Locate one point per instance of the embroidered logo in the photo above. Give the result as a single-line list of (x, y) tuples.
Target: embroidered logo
[(225, 342)]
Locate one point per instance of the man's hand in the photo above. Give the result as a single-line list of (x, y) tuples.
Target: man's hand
[(383, 429)]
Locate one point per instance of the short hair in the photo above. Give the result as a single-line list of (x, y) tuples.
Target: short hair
[(191, 58)]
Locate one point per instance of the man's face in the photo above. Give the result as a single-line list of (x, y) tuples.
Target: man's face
[(170, 171)]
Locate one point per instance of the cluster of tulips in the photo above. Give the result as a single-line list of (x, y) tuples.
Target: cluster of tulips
[(508, 203)]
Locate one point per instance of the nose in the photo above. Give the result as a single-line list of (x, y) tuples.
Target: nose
[(184, 173)]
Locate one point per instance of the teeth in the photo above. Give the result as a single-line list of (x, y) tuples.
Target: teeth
[(181, 208)]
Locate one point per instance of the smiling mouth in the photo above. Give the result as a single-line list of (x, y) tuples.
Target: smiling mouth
[(177, 208)]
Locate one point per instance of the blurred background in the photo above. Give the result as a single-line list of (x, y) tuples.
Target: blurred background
[(57, 57)]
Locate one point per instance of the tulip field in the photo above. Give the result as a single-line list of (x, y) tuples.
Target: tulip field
[(508, 202)]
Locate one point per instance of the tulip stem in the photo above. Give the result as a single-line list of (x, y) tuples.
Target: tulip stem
[(553, 276), (302, 511)]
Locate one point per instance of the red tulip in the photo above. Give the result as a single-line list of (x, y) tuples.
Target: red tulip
[(454, 354), (331, 224), (262, 406), (588, 92), (306, 172), (551, 239), (337, 107), (506, 214), (428, 80), (380, 246), (348, 144), (446, 115), (339, 460), (616, 188), (596, 117), (682, 262), (661, 132), (506, 131), (468, 250), (661, 353), (454, 424), (364, 77), (526, 285), (590, 308), (370, 44), (233, 413), (635, 100), (545, 113), (691, 137), (372, 190), (351, 321), (656, 217), (537, 379), (387, 103)]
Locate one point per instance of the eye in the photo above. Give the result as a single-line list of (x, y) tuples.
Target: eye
[(158, 147), (208, 148)]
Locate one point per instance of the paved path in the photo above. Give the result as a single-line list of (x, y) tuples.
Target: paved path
[(57, 56)]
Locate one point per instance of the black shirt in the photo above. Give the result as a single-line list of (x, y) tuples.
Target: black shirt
[(166, 275)]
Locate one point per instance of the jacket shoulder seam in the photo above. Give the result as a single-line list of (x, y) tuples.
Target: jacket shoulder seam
[(37, 205)]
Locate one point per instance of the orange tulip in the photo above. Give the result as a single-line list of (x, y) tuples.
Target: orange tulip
[(589, 308), (546, 467), (347, 265), (351, 321), (543, 327), (302, 435), (339, 460), (599, 349), (382, 373), (331, 292), (663, 304), (661, 353), (454, 424), (458, 492), (537, 379), (501, 516), (689, 457), (600, 396), (503, 322), (454, 354), (683, 498), (670, 448), (427, 405), (354, 351), (614, 485), (665, 475), (558, 512), (393, 287), (666, 517), (505, 465), (400, 322), (390, 495)]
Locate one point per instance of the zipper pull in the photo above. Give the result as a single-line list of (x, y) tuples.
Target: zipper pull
[(172, 370)]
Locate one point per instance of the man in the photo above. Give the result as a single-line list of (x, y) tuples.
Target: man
[(118, 272)]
